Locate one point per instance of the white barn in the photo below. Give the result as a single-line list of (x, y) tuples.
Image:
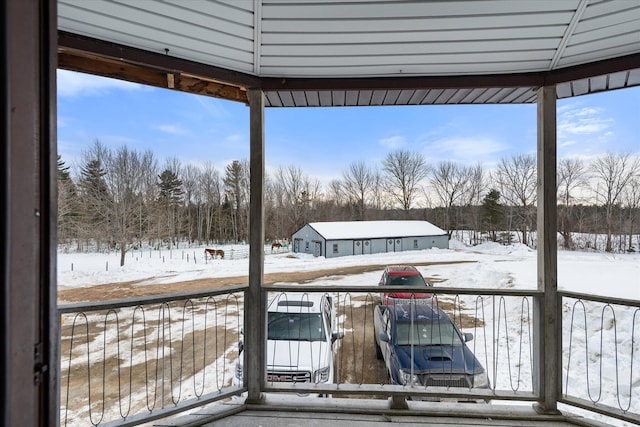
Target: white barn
[(341, 238)]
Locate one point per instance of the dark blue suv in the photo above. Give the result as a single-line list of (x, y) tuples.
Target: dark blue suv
[(422, 346)]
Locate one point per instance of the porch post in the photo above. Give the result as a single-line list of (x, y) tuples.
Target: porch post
[(547, 315), (255, 302), (30, 341)]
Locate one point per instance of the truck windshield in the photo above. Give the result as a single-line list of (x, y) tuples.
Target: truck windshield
[(426, 333), (295, 326)]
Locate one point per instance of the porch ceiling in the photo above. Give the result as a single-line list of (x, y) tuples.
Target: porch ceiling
[(357, 52)]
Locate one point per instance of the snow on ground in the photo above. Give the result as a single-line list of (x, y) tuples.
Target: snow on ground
[(493, 266), (497, 266)]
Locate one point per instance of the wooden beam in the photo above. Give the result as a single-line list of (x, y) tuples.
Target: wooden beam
[(209, 88), (107, 67), (547, 312), (93, 64), (255, 298)]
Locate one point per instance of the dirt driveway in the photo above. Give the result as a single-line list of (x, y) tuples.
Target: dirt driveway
[(355, 363), (134, 289)]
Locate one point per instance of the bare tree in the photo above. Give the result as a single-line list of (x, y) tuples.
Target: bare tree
[(299, 192), (377, 191), (450, 183), (124, 180), (476, 190), (516, 177), (404, 171), (192, 199), (611, 173), (571, 176), (211, 188), (357, 183), (631, 202)]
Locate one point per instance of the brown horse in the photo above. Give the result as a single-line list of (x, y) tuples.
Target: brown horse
[(276, 245), (214, 252)]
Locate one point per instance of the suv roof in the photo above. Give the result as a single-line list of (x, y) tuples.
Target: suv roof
[(404, 270), (296, 302), (417, 311)]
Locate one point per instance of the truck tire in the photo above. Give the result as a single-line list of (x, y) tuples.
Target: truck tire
[(378, 350)]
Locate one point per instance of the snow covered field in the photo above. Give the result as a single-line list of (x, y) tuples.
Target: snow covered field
[(609, 329), (612, 275)]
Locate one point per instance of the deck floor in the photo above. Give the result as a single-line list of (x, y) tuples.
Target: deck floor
[(292, 411)]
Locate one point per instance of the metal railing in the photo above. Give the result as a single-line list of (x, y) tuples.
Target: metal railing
[(128, 361), (601, 354), (500, 321), (132, 361)]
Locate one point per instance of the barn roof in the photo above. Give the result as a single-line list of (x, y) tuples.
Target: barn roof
[(358, 52), (375, 229)]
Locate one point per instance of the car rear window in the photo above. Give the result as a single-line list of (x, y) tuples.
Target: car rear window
[(413, 280)]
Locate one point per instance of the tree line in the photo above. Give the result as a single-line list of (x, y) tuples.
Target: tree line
[(122, 198)]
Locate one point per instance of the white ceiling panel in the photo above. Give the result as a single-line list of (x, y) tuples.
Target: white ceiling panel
[(361, 39)]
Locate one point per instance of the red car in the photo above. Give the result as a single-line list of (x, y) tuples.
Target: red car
[(403, 275)]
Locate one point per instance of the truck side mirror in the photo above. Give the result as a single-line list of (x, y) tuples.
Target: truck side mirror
[(384, 337), (336, 336), (468, 336)]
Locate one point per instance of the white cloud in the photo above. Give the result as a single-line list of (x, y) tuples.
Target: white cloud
[(172, 129), (80, 84), (582, 121), (393, 142)]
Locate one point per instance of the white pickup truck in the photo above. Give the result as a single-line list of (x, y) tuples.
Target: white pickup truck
[(301, 341)]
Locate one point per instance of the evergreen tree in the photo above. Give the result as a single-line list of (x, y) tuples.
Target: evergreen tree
[(492, 213), (63, 171), (67, 202), (95, 200), (170, 187), (236, 181), (169, 200)]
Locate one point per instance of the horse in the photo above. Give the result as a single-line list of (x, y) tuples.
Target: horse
[(214, 252), (276, 245)]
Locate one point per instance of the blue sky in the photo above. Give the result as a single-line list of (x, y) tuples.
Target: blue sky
[(324, 141)]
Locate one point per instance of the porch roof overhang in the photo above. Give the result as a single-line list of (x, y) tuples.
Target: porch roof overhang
[(357, 53)]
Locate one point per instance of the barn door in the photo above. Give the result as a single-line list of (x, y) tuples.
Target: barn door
[(394, 245), (357, 247), (317, 248), (366, 246)]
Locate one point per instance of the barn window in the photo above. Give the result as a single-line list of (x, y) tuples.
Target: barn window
[(415, 244), (306, 246), (335, 248)]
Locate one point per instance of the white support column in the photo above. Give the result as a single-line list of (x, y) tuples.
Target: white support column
[(255, 302), (547, 315)]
